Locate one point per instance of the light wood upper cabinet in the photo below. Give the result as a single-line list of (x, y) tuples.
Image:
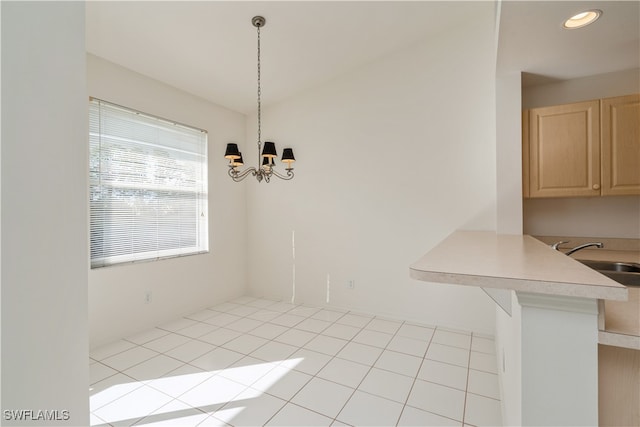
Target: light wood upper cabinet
[(564, 150), (587, 149), (621, 145)]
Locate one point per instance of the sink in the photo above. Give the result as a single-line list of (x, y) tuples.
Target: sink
[(629, 267), (626, 273)]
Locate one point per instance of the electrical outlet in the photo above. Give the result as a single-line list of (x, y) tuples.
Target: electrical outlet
[(351, 284), (147, 297)]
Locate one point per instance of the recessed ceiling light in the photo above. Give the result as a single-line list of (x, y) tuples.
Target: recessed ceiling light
[(582, 19)]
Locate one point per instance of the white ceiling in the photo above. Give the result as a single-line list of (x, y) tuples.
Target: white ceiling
[(532, 39), (208, 48)]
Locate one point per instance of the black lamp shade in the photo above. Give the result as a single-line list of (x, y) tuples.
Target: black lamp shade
[(238, 161), (267, 162), (269, 150), (232, 152), (287, 155)]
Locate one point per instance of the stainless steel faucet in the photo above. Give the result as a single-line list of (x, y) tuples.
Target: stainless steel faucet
[(556, 245), (577, 248), (586, 245)]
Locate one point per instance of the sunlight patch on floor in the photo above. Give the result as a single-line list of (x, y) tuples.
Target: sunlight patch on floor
[(224, 391)]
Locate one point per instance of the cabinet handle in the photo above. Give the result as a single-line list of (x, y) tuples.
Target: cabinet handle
[(596, 186)]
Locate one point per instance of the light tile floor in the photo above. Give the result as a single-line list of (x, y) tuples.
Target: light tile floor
[(260, 362)]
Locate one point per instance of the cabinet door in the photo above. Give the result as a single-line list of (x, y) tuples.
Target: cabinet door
[(621, 145), (525, 154), (618, 391), (564, 151)]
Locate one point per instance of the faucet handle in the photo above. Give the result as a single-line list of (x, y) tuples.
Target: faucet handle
[(556, 245)]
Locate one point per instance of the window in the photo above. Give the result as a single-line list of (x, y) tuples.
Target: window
[(147, 186)]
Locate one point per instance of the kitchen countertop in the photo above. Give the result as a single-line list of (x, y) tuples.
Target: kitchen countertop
[(517, 262), (621, 318), (622, 322)]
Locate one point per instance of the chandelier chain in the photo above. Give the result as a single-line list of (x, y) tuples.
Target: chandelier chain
[(259, 94), (267, 170)]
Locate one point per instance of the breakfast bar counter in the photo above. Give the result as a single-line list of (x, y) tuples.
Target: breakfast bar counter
[(547, 343), (518, 262)]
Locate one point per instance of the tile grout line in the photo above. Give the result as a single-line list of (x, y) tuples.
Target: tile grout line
[(466, 388), (141, 382), (298, 348), (305, 384), (146, 360), (318, 371), (368, 371), (436, 328), (335, 356), (293, 327), (217, 373), (159, 353), (415, 378), (248, 355), (332, 357), (365, 375), (244, 355)]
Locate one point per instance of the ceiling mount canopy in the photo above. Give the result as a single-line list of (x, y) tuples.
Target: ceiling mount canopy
[(266, 168), (258, 21)]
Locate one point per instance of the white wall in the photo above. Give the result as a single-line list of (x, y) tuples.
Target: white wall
[(183, 285), (392, 158), (617, 83), (44, 221), (616, 216), (0, 209), (509, 153), (583, 217), (509, 221)]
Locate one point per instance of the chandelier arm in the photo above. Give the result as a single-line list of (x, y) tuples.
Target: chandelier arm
[(239, 176), (286, 177)]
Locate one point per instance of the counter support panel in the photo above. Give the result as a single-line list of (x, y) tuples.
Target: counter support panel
[(559, 360)]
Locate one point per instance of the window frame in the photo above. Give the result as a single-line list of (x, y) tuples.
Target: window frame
[(186, 157)]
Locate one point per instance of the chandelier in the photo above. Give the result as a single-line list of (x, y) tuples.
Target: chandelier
[(268, 154)]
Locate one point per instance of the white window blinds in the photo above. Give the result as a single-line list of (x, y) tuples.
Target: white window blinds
[(147, 186)]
